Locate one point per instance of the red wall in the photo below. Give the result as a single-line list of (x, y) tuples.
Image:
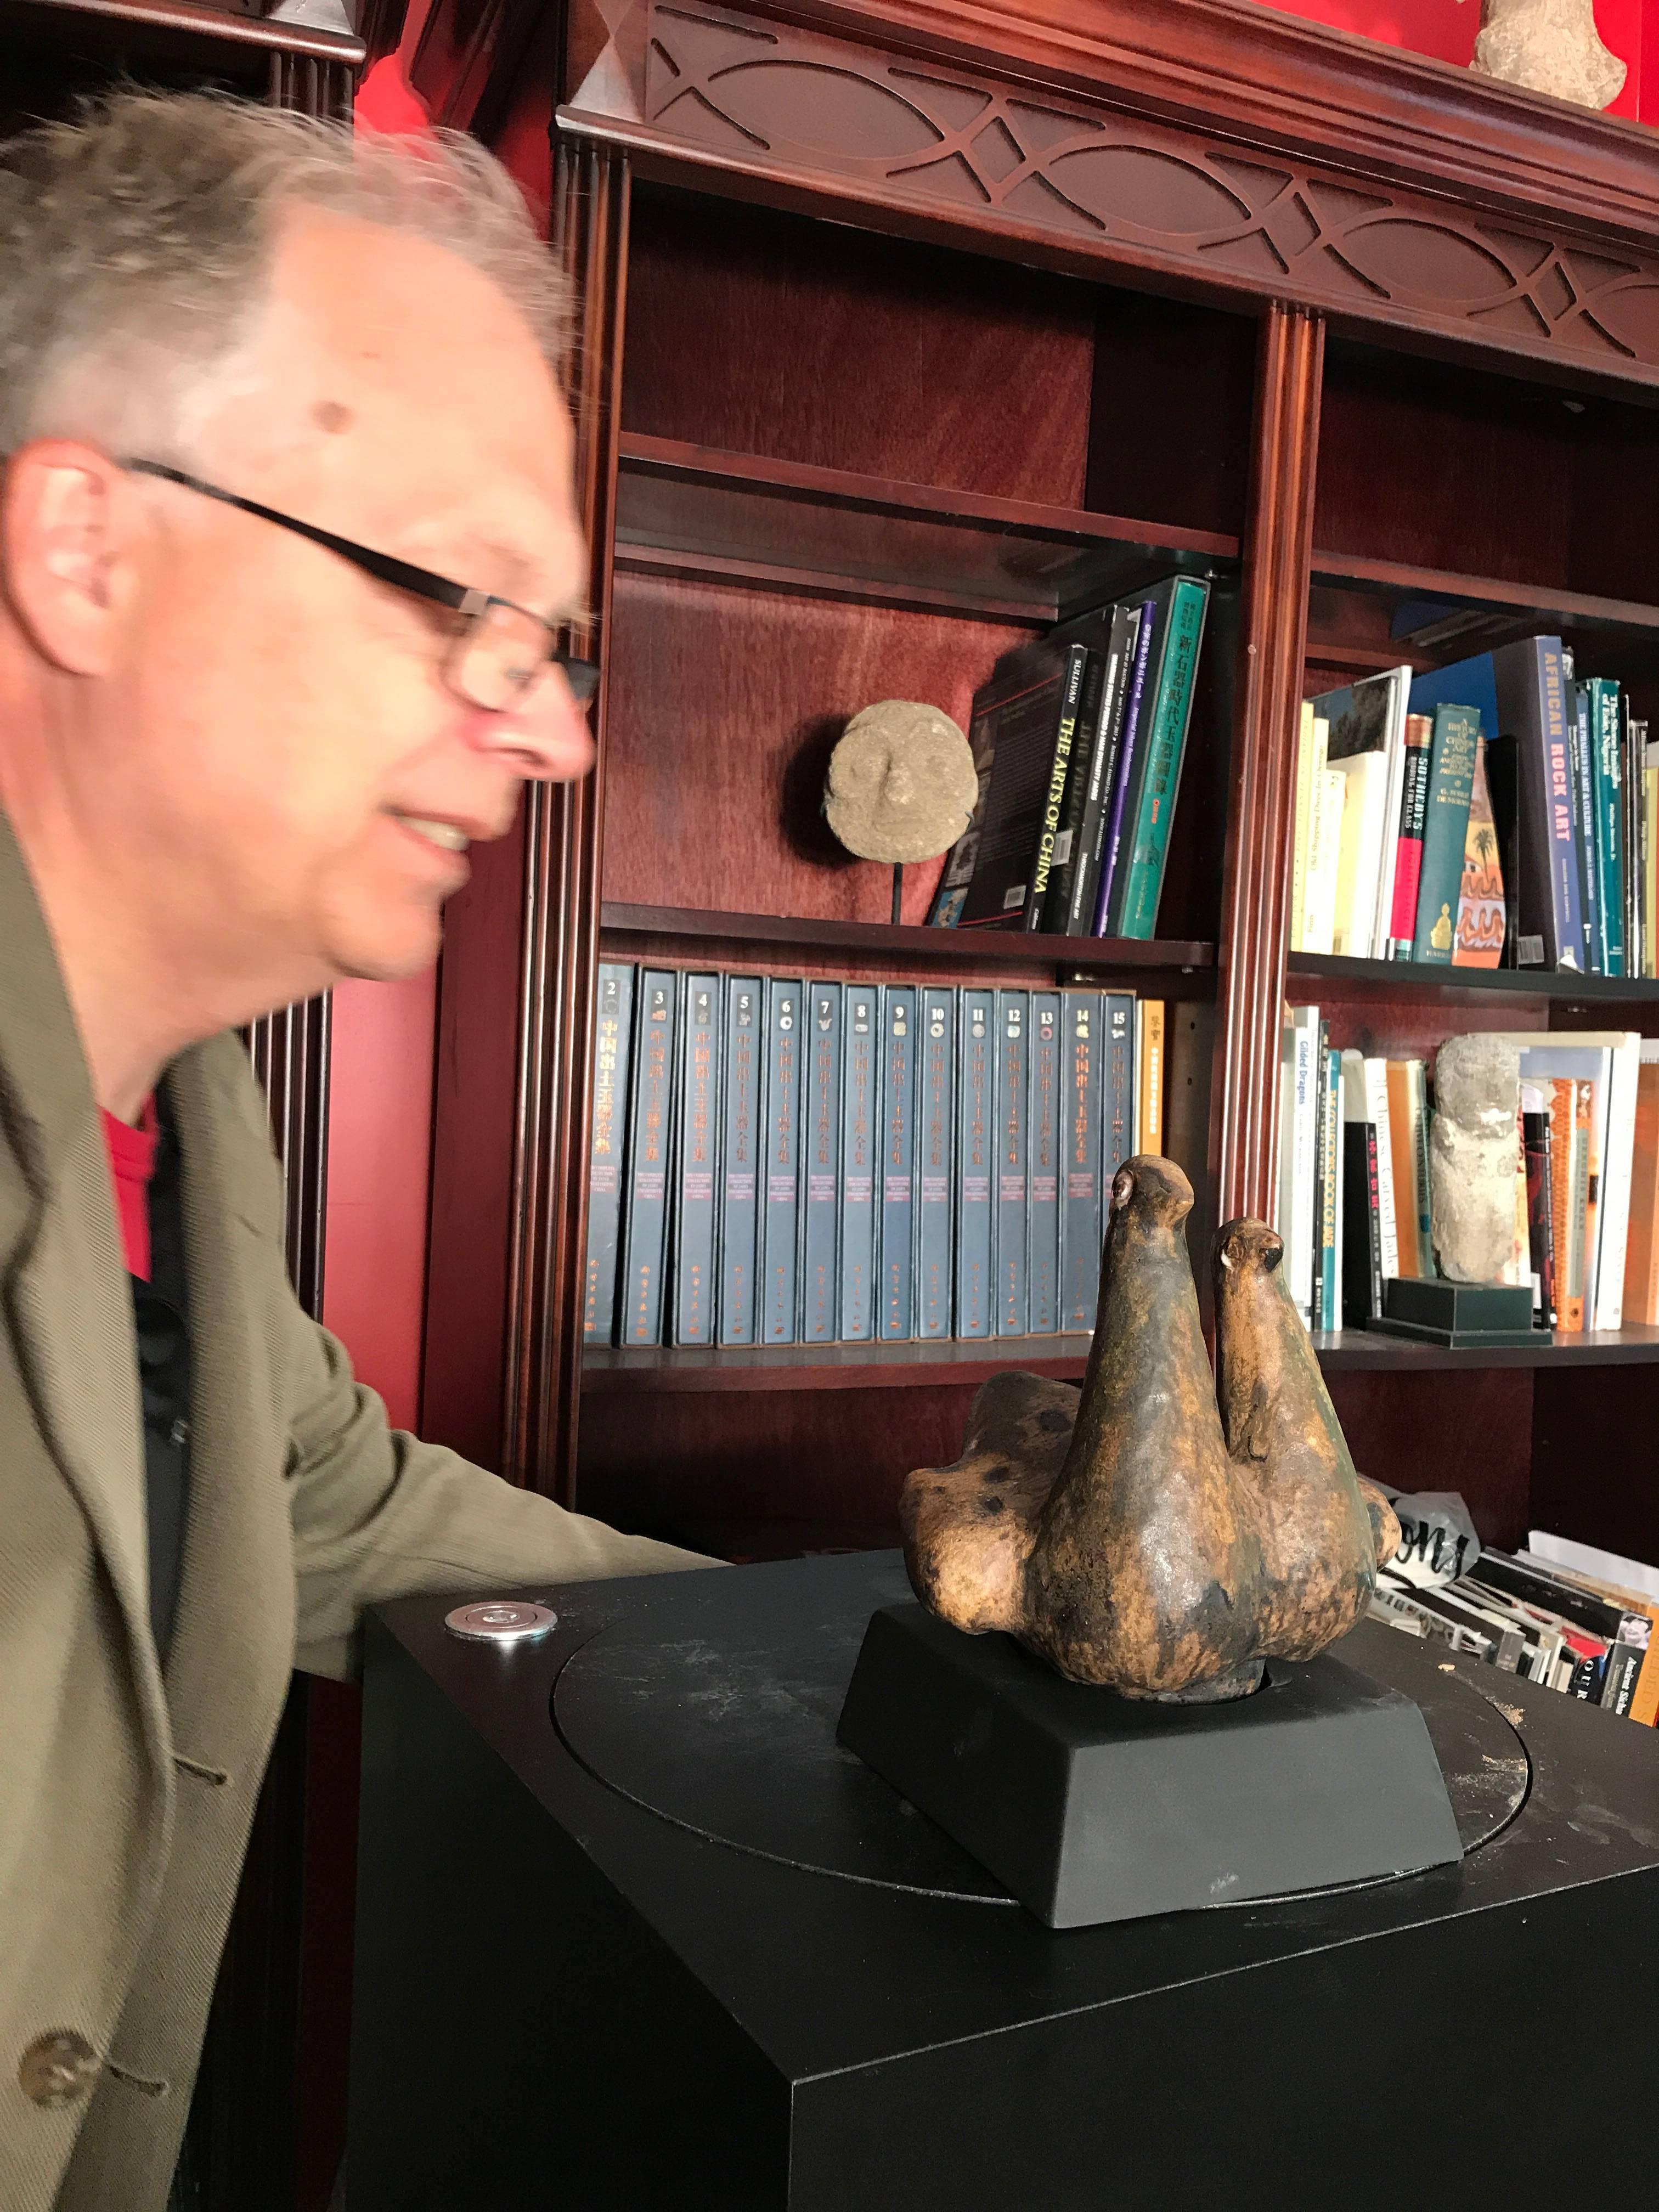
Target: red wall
[(1446, 29)]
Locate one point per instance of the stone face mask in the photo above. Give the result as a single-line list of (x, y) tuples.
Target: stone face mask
[(901, 784)]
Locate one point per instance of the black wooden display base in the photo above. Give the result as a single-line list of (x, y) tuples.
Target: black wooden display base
[(1090, 1807), (1467, 1316), (635, 1934)]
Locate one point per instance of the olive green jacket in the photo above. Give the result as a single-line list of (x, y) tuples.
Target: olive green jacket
[(126, 1792)]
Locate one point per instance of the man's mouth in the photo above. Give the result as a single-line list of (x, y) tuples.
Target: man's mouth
[(444, 834)]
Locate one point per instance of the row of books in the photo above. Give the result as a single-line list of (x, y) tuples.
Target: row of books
[(1354, 1192), (774, 1161), (1496, 811), (1079, 741), (1563, 1614)]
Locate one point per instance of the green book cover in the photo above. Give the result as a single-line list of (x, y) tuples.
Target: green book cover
[(1166, 747), (1445, 826), (1608, 784)]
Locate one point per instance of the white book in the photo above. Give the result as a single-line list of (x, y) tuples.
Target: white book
[(1602, 1566), (1324, 858), (1376, 1111), (1360, 852), (1302, 833), (1614, 1222), (1303, 1207)]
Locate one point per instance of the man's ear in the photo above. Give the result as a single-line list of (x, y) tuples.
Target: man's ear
[(69, 519)]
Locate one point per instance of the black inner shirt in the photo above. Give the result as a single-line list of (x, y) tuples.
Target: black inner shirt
[(160, 1313)]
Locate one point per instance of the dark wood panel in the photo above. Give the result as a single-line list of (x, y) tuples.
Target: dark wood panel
[(836, 1456), (845, 350), (1314, 976), (1593, 1458), (725, 706), (1255, 875), (1362, 1352), (1469, 1432), (471, 1234), (1169, 430), (608, 1369)]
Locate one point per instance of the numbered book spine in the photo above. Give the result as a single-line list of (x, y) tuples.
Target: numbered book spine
[(741, 1128), (820, 1274), (612, 1040), (1042, 1201), (976, 1116), (1013, 1015), (650, 1128), (860, 1138), (1081, 1042), (779, 1210), (698, 1110), (935, 1165), (1120, 1089), (895, 1319)]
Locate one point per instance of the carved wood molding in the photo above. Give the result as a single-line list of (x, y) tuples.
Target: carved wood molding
[(1267, 692), (1097, 182), (542, 1365)]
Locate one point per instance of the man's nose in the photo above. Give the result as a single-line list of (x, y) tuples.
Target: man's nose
[(544, 738)]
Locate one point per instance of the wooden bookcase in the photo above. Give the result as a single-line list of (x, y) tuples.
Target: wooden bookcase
[(901, 330)]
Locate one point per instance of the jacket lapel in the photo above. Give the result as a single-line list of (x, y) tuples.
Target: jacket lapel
[(70, 1307), (232, 1644)]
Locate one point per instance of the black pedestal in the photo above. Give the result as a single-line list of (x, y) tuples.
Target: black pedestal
[(1092, 1807), (635, 1934), (1466, 1316)]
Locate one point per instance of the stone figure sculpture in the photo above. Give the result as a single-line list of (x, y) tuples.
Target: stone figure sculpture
[(1473, 1146), (1121, 1532), (1548, 46), (902, 783)]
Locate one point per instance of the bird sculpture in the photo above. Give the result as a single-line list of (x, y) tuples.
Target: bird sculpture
[(1137, 1535)]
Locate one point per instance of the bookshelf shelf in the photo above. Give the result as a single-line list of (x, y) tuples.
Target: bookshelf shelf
[(1402, 979), (1356, 1350), (607, 1368), (694, 511), (1516, 610), (622, 923)]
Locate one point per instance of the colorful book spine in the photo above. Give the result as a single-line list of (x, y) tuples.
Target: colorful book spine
[(1149, 1077), (1149, 848), (612, 1040), (695, 1276), (781, 1207), (650, 1132), (1361, 1247), (741, 1118), (1446, 819), (820, 1282), (1581, 745), (1054, 797), (1042, 1202), (1119, 656), (1408, 860), (1482, 919), (1013, 1017), (975, 1129), (1114, 850), (1082, 1038), (935, 1130), (894, 1319), (860, 1145), (1609, 787), (1330, 1187)]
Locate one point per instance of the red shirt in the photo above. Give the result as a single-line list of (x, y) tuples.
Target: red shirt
[(131, 1162)]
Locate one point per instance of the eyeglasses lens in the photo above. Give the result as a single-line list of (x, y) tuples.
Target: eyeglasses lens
[(501, 656)]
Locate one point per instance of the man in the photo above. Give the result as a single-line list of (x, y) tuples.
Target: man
[(267, 404)]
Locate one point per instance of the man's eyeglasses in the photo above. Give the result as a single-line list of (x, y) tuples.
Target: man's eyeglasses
[(499, 648)]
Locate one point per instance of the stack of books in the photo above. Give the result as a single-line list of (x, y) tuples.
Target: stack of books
[(786, 1160), (1575, 1618), (1078, 742), (1494, 811), (1353, 1202)]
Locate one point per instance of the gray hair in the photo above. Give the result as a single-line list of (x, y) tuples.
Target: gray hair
[(135, 244)]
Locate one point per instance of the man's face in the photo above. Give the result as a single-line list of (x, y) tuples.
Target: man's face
[(282, 739)]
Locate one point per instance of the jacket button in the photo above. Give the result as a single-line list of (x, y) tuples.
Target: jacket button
[(57, 2068)]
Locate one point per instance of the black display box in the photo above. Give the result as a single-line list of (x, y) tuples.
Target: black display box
[(674, 1947)]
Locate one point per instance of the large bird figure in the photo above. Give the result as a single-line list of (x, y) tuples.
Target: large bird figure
[(1125, 1535)]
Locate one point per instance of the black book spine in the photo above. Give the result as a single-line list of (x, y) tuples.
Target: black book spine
[(1540, 1214), (1103, 769), (1068, 842), (1054, 799)]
